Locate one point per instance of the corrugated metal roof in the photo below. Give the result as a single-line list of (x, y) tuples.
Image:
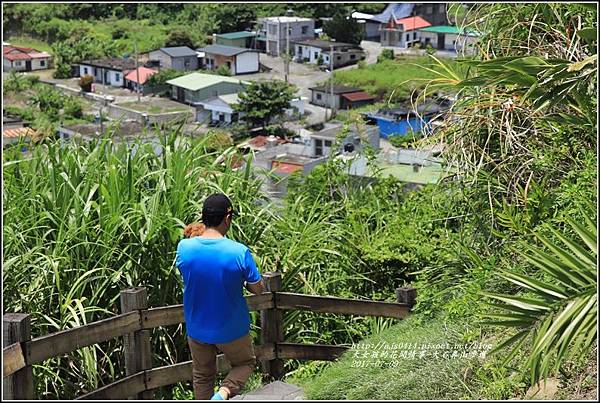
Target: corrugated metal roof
[(179, 51), (225, 50), (18, 132), (337, 89), (358, 96), (448, 29), (145, 74), (412, 23), (237, 35), (196, 81)]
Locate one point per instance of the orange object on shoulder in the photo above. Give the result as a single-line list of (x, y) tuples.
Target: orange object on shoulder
[(194, 229)]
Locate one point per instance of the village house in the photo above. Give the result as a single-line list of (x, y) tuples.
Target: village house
[(274, 31), (402, 32), (446, 37), (178, 58), (237, 60), (343, 97), (220, 110), (434, 13), (240, 39), (108, 71), (17, 58), (311, 49), (194, 88), (142, 74)]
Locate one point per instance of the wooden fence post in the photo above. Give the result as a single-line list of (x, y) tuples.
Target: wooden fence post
[(406, 295), (136, 346), (18, 386), (271, 324)]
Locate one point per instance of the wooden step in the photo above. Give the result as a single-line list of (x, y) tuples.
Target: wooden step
[(274, 391)]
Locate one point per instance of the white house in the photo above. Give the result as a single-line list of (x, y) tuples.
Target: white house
[(18, 58), (343, 53), (219, 110), (446, 37), (237, 60), (111, 71)]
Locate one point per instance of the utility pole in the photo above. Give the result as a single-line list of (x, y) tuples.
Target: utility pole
[(331, 77), (137, 69)]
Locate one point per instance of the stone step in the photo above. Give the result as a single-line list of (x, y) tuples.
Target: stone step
[(274, 391)]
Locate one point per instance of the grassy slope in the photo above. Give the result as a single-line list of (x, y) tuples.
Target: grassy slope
[(403, 75), (427, 378)]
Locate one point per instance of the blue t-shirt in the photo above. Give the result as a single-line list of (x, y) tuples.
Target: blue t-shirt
[(214, 271)]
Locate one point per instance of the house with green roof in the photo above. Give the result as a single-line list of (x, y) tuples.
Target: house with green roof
[(241, 39), (194, 88), (448, 37)]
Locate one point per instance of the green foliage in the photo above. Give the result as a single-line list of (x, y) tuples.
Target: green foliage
[(320, 59), (223, 70), (217, 140), (180, 37), (386, 54), (164, 75), (406, 140), (393, 80), (261, 101), (343, 28), (558, 312)]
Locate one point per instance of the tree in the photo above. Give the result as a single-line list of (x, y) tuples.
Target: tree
[(343, 28), (262, 101), (180, 37)]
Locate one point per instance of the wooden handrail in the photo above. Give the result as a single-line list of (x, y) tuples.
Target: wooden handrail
[(315, 303), (18, 357), (42, 348), (12, 359)]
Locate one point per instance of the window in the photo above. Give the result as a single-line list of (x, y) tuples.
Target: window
[(442, 8), (17, 63), (186, 61), (272, 30), (339, 58), (42, 63), (352, 57), (318, 147), (327, 143), (304, 29), (229, 65), (215, 93), (85, 70), (415, 35), (117, 77), (407, 37), (319, 97), (429, 10), (427, 40)]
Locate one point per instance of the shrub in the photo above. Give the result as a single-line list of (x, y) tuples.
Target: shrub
[(405, 140), (85, 82), (430, 49), (386, 54), (119, 33), (223, 70), (320, 59)]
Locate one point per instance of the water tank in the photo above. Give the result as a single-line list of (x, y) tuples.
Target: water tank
[(271, 141)]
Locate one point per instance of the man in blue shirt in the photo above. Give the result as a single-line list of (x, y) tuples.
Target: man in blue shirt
[(215, 270)]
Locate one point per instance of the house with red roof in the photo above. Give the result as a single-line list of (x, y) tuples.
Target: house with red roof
[(403, 32), (18, 58), (137, 79)]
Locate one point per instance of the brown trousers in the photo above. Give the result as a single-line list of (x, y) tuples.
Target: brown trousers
[(239, 353)]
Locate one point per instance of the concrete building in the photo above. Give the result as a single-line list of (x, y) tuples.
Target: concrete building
[(241, 39), (343, 53), (402, 32), (237, 60), (177, 57), (274, 31), (18, 58), (108, 71), (343, 97), (142, 74), (445, 37)]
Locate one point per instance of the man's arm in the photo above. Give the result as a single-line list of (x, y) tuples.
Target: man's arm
[(256, 288)]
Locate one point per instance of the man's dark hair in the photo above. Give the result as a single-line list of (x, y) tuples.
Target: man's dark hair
[(212, 220), (216, 207)]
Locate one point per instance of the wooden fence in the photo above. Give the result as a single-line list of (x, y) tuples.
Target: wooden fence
[(134, 323)]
